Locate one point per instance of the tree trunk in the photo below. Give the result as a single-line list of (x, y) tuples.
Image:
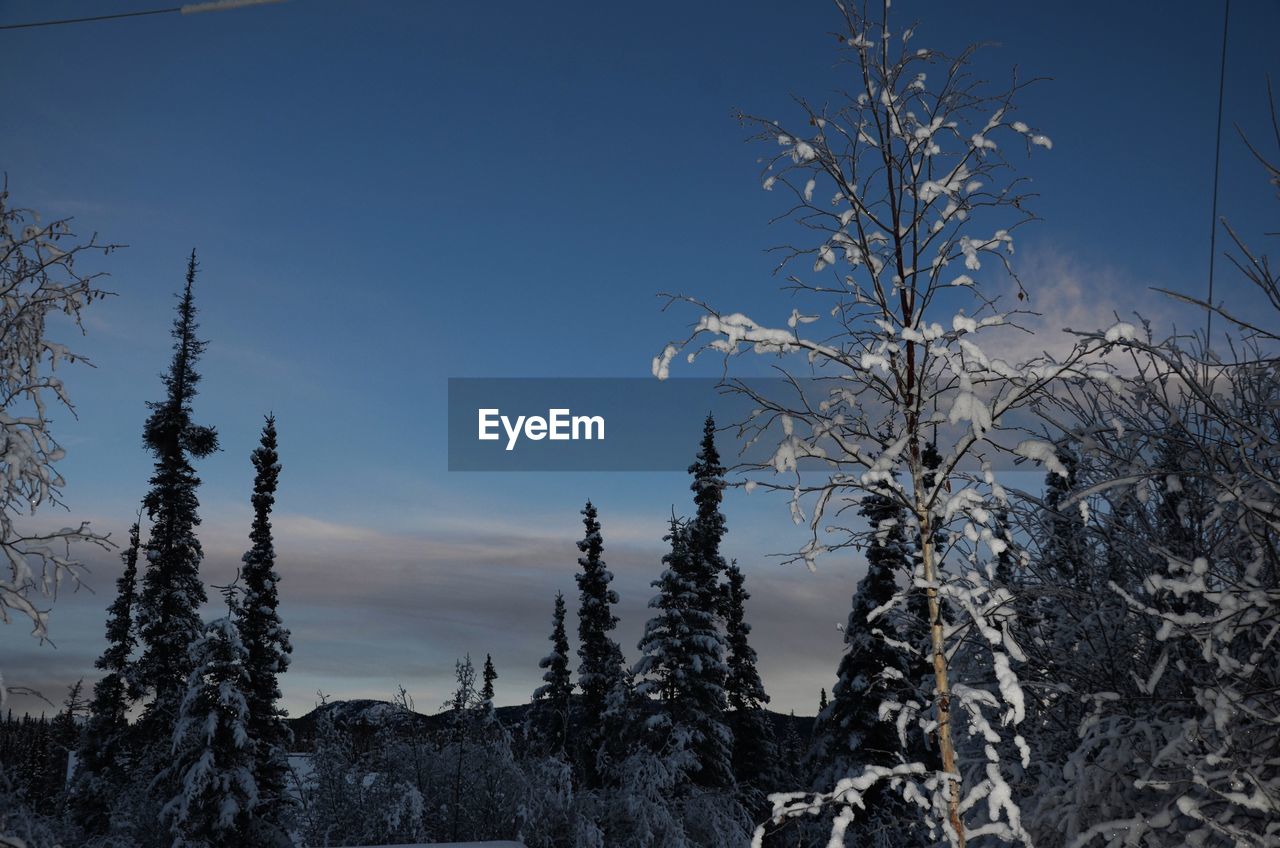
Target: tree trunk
[(942, 688)]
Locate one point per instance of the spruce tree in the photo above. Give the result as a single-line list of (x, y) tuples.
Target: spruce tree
[(601, 666), (552, 698), (101, 761), (265, 639), (662, 647), (708, 527), (213, 750), (754, 748), (490, 675), (822, 699), (851, 734), (168, 608), (705, 694), (683, 670)]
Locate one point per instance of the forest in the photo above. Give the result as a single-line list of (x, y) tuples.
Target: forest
[(1090, 661)]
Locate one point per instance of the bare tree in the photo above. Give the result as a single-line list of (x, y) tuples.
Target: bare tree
[(38, 280), (895, 182), (1186, 752)]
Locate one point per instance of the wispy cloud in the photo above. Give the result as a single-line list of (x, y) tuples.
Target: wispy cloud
[(372, 609), (1068, 293)]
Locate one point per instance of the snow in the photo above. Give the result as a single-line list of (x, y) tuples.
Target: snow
[(662, 362), (1044, 453), (1122, 330), (968, 407), (981, 142)]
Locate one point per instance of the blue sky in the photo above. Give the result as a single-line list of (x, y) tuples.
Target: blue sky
[(388, 194)]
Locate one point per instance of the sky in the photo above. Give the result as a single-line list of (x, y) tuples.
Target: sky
[(387, 194)]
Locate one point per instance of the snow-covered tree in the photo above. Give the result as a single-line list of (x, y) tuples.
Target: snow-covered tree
[(168, 614), (38, 278), (101, 761), (1176, 701), (327, 803), (22, 827), (1180, 749), (682, 663), (359, 792), (850, 732), (476, 780), (661, 647), (704, 630), (265, 638), (681, 668), (1158, 694), (555, 813), (892, 185), (755, 751), (213, 749), (601, 664), (552, 700)]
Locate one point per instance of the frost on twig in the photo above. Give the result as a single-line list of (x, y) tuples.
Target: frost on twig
[(38, 280)]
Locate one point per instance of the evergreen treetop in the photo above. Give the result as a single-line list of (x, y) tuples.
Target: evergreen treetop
[(121, 638), (490, 675), (552, 699), (601, 658), (707, 529), (266, 641), (743, 687), (172, 592), (557, 685)]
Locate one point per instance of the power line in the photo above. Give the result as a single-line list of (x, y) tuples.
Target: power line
[(188, 9), (94, 18)]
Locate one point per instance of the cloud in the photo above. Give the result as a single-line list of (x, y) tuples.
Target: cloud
[(1067, 292), (392, 597), (372, 609)]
